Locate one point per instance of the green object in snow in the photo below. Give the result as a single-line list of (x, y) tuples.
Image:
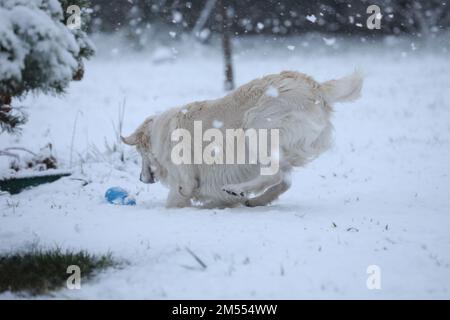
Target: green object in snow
[(15, 185)]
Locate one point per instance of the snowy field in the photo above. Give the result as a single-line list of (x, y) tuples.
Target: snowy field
[(379, 197)]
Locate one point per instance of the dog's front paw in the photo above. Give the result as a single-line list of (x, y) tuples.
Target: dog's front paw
[(233, 190)]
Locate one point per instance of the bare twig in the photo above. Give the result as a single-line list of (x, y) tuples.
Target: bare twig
[(9, 154), (118, 129), (203, 18), (73, 137), (20, 149), (200, 262)]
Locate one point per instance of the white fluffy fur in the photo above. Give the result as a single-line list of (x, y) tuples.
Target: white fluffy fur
[(301, 111)]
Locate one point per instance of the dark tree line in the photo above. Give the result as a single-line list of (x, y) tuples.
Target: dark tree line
[(278, 17)]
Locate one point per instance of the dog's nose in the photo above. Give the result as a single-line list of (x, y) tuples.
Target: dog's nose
[(151, 179)]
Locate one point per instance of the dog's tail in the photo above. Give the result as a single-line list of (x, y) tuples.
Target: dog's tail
[(345, 89)]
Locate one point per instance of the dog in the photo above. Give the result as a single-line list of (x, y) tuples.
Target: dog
[(292, 103)]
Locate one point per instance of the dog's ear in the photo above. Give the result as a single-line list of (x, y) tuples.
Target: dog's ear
[(141, 135), (132, 140)]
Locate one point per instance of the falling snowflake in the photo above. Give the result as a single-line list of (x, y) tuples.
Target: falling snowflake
[(311, 18), (115, 51), (329, 41), (204, 34), (272, 92), (217, 124), (177, 17)]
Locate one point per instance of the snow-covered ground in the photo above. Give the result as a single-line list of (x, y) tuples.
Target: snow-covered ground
[(379, 197)]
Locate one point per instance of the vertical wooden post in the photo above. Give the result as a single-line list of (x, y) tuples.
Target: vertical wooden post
[(226, 45)]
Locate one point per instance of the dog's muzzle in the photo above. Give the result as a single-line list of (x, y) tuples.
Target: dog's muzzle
[(150, 179)]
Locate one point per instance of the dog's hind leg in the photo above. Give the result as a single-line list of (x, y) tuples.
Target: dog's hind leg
[(269, 195), (255, 186)]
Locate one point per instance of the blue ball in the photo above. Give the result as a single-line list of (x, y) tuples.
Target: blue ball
[(118, 195)]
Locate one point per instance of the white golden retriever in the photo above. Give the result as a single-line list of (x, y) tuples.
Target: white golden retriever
[(292, 102)]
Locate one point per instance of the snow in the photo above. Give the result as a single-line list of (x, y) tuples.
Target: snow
[(37, 40), (379, 197), (162, 54), (291, 47), (329, 41), (10, 68)]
